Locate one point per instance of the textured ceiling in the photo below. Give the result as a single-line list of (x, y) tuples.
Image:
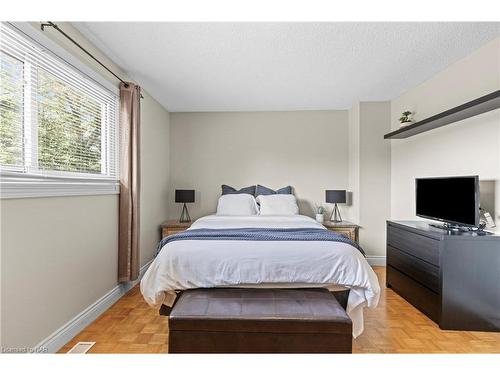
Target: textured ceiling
[(282, 66)]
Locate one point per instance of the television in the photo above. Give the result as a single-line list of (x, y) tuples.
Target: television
[(453, 200)]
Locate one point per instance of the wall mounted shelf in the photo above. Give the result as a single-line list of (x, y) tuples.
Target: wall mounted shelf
[(473, 108)]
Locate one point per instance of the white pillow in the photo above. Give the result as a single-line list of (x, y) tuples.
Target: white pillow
[(278, 204), (237, 205)]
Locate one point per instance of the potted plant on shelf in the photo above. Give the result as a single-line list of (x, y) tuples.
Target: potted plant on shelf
[(320, 212), (406, 118)]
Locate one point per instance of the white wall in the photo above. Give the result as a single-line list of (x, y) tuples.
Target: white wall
[(353, 210), (375, 176), (155, 174), (468, 147), (59, 255), (369, 175), (305, 149)]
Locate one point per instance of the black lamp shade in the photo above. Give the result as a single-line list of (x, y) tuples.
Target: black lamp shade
[(335, 196), (184, 196)]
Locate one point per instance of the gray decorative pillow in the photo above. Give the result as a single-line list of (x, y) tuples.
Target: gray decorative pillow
[(262, 190), (230, 190)]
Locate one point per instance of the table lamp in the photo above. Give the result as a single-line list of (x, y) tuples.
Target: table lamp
[(184, 196), (335, 196)]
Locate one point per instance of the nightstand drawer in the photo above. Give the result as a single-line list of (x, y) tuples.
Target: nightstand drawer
[(170, 231), (350, 230), (350, 233), (170, 227), (414, 244)]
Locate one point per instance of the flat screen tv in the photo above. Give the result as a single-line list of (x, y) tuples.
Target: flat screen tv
[(453, 200)]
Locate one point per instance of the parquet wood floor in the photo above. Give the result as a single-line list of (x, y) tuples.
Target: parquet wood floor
[(131, 326)]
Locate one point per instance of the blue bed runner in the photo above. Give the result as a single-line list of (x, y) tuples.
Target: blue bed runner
[(260, 234)]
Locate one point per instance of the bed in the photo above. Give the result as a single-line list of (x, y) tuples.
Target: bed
[(221, 262)]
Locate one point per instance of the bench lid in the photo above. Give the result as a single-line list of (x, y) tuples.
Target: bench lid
[(259, 310)]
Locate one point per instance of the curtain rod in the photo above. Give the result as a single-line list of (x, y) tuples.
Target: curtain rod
[(52, 24)]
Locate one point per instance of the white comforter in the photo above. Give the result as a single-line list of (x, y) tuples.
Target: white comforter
[(190, 264)]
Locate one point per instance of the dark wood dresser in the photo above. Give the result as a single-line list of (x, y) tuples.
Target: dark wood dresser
[(453, 278)]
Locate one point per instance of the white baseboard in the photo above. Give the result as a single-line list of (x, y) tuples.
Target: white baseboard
[(376, 260), (59, 338)]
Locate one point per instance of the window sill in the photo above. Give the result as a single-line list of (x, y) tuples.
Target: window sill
[(32, 187)]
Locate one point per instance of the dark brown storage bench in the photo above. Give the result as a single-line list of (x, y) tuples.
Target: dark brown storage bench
[(233, 320)]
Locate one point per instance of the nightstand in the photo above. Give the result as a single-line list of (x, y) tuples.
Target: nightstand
[(350, 229), (173, 226)]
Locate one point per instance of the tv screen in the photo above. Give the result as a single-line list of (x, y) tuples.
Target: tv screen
[(449, 199)]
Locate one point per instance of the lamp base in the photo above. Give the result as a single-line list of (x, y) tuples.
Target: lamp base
[(185, 218), (336, 218)]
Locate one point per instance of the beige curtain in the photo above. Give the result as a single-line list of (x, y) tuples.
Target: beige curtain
[(130, 175)]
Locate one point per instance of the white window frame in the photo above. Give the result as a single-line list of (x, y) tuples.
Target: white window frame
[(53, 183)]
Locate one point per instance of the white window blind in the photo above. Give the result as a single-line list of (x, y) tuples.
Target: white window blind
[(56, 123)]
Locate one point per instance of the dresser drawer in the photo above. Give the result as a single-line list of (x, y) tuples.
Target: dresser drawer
[(419, 246), (426, 273), (419, 296)]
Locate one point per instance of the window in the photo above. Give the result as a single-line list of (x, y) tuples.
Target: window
[(58, 127), (11, 110)]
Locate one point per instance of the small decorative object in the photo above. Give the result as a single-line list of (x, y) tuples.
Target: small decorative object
[(320, 212), (184, 196), (485, 219), (335, 196), (406, 118)]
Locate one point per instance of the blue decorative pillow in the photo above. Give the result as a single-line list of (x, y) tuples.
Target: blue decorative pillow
[(230, 190), (262, 190)]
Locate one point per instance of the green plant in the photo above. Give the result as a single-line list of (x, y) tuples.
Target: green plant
[(405, 116), (320, 210)]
